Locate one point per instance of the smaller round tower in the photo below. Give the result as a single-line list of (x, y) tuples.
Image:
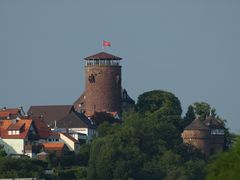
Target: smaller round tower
[(198, 135)]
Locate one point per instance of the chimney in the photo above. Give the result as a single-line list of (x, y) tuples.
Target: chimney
[(21, 110)]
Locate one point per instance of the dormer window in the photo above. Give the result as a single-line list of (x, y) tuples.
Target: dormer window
[(13, 132), (16, 128)]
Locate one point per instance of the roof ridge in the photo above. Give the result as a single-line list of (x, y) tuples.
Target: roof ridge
[(103, 56), (196, 124)]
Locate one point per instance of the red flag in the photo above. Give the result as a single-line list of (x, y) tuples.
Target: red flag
[(106, 43)]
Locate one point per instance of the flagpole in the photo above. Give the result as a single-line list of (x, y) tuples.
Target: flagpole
[(102, 46)]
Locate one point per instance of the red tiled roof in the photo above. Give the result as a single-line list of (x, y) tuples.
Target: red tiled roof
[(41, 128), (102, 56), (11, 110), (5, 124), (4, 114), (16, 126), (53, 146)]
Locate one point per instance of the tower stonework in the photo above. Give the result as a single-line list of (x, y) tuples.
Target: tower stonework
[(102, 83), (198, 135), (207, 135)]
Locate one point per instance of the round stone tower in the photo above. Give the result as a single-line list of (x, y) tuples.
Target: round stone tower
[(198, 135), (102, 83)]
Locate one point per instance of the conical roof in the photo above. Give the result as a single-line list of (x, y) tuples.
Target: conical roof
[(102, 56), (197, 124), (214, 123)]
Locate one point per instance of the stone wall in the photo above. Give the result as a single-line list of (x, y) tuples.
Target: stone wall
[(198, 138), (103, 89)]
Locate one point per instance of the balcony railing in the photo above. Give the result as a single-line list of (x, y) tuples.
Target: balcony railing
[(102, 63)]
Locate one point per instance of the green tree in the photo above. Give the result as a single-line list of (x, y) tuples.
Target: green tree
[(226, 164), (81, 173), (138, 150), (147, 145), (21, 168), (106, 128), (213, 112), (202, 109), (189, 116), (165, 166), (195, 169), (2, 152), (82, 156), (151, 101)]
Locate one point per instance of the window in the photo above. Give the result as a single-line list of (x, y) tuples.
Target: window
[(118, 80), (217, 132), (91, 78)]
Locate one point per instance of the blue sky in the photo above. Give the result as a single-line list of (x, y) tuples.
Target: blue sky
[(190, 48)]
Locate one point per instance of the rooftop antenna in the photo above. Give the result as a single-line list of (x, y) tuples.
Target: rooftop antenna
[(210, 114), (55, 124), (102, 45)]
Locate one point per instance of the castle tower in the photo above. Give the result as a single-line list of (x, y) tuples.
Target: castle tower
[(198, 135), (102, 83)]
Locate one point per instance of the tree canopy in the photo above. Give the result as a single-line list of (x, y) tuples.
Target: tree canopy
[(158, 100), (147, 145), (226, 164), (189, 117), (202, 109)]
